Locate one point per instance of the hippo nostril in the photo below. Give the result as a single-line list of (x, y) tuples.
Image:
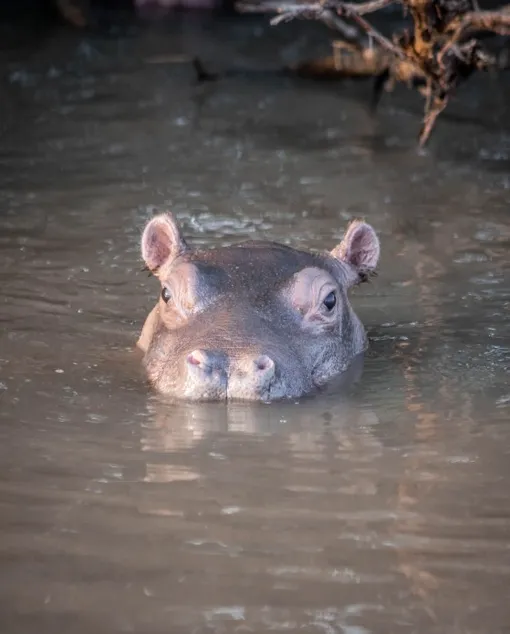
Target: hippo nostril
[(199, 358), (205, 374), (264, 364)]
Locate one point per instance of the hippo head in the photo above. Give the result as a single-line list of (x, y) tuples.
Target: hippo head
[(254, 321)]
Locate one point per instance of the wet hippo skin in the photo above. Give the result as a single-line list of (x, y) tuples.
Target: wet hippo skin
[(254, 321)]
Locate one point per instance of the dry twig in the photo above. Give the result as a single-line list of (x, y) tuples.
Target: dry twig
[(443, 50)]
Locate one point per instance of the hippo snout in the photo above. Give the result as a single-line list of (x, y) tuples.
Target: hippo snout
[(252, 377), (213, 374)]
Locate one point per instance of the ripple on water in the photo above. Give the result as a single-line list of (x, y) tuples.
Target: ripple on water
[(384, 509)]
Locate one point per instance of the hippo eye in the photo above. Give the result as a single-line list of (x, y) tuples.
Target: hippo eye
[(166, 294), (330, 300)]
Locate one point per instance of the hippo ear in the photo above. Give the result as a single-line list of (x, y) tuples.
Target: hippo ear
[(161, 241), (360, 248)]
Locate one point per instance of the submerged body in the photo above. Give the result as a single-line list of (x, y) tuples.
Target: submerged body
[(255, 321)]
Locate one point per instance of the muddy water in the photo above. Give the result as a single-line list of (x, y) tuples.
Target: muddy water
[(382, 509)]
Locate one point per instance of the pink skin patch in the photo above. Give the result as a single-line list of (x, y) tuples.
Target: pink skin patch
[(161, 240), (193, 360), (307, 293), (360, 247)]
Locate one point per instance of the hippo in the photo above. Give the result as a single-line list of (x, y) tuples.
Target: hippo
[(256, 321)]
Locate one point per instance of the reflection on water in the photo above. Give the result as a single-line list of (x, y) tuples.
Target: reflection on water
[(380, 508)]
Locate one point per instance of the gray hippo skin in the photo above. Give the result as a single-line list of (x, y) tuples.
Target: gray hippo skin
[(255, 321)]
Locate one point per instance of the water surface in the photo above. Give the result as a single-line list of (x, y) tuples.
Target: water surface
[(383, 509)]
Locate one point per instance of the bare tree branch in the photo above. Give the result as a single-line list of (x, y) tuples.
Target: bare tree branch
[(273, 6), (435, 58)]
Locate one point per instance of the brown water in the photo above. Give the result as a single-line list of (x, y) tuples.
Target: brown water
[(385, 509)]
